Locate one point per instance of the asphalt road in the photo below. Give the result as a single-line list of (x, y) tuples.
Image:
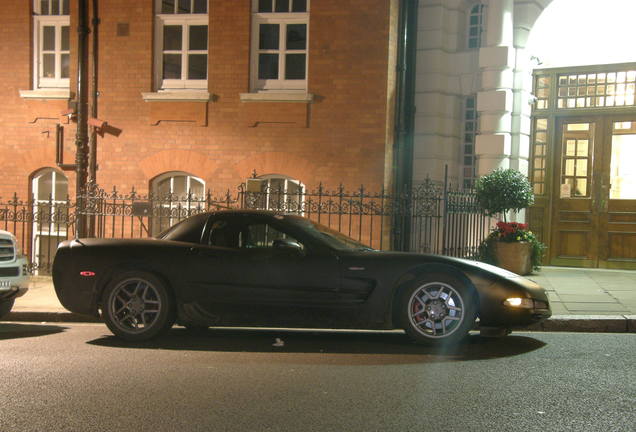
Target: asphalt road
[(76, 377)]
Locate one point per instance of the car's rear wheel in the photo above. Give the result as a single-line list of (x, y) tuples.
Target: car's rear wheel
[(438, 309), (137, 306), (5, 307)]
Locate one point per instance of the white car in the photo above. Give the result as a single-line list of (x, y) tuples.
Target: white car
[(14, 274)]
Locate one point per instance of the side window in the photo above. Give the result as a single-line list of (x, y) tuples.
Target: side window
[(224, 233), (265, 236), (229, 233)]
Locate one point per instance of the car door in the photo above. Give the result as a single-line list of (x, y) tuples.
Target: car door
[(255, 260)]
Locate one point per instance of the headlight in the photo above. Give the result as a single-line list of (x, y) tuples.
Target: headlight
[(518, 302)]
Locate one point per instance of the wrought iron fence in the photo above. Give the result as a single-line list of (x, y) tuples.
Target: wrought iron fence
[(435, 217)]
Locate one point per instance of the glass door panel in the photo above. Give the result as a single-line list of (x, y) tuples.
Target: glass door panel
[(622, 172), (617, 200)]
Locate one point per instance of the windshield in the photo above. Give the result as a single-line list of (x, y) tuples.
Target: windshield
[(334, 238), (188, 230)]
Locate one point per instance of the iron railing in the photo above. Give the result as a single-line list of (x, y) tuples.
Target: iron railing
[(440, 218)]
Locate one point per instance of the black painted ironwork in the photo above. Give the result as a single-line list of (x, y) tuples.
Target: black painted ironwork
[(442, 219)]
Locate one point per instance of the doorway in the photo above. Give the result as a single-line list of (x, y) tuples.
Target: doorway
[(594, 192)]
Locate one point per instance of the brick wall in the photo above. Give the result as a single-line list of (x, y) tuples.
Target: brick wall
[(340, 137)]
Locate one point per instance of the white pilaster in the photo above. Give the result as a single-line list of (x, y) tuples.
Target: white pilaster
[(493, 145)]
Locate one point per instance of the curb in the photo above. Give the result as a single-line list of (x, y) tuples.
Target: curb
[(557, 323), (588, 323), (51, 317)]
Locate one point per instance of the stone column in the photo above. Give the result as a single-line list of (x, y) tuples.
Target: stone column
[(495, 100)]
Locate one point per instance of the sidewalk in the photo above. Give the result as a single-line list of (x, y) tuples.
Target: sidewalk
[(581, 299)]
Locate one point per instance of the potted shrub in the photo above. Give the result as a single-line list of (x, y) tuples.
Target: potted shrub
[(511, 245)]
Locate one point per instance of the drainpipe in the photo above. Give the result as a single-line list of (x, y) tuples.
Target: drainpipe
[(92, 143), (81, 138), (405, 121)]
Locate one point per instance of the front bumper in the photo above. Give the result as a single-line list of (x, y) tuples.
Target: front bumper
[(17, 284), (495, 312)]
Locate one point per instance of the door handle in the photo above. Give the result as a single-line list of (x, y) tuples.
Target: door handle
[(604, 195)]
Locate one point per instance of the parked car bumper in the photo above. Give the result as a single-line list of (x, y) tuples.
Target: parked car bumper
[(14, 279)]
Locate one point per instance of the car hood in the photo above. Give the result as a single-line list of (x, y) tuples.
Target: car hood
[(466, 265)]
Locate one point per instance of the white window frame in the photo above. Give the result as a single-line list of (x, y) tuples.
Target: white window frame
[(171, 175), (269, 190), (51, 19), (185, 21), (283, 20), (179, 200), (53, 229)]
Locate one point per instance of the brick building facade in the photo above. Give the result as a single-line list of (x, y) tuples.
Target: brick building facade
[(325, 118)]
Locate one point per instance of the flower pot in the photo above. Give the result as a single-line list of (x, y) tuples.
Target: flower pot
[(514, 256)]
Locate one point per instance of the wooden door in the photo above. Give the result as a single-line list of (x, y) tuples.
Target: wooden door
[(575, 217), (594, 193), (617, 195)]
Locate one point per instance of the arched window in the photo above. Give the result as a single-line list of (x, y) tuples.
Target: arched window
[(50, 216), (475, 26), (277, 192), (178, 184), (49, 185), (176, 195)]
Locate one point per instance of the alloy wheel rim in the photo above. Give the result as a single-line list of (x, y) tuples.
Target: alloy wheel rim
[(436, 310), (135, 305)]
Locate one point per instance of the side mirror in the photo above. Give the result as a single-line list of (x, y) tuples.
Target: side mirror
[(288, 245)]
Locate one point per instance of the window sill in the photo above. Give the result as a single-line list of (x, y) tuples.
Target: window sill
[(277, 97), (45, 94), (177, 96)]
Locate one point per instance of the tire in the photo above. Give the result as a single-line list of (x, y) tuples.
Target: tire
[(5, 307), (438, 309), (137, 306)]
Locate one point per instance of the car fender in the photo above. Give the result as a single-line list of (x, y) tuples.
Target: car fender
[(111, 272), (416, 272)]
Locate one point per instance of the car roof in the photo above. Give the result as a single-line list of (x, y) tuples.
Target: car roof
[(251, 212)]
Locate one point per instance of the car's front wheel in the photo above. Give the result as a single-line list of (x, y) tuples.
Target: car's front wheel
[(137, 306), (5, 308), (438, 309)]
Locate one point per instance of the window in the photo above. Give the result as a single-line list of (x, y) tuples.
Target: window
[(181, 44), (475, 26), (470, 131), (50, 216), (578, 146), (539, 156), (51, 43), (254, 234), (279, 45), (276, 192), (176, 195), (597, 90)]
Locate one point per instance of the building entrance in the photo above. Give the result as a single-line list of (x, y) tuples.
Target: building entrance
[(583, 166), (594, 197)]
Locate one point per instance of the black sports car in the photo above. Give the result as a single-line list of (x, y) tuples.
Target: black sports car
[(259, 268)]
